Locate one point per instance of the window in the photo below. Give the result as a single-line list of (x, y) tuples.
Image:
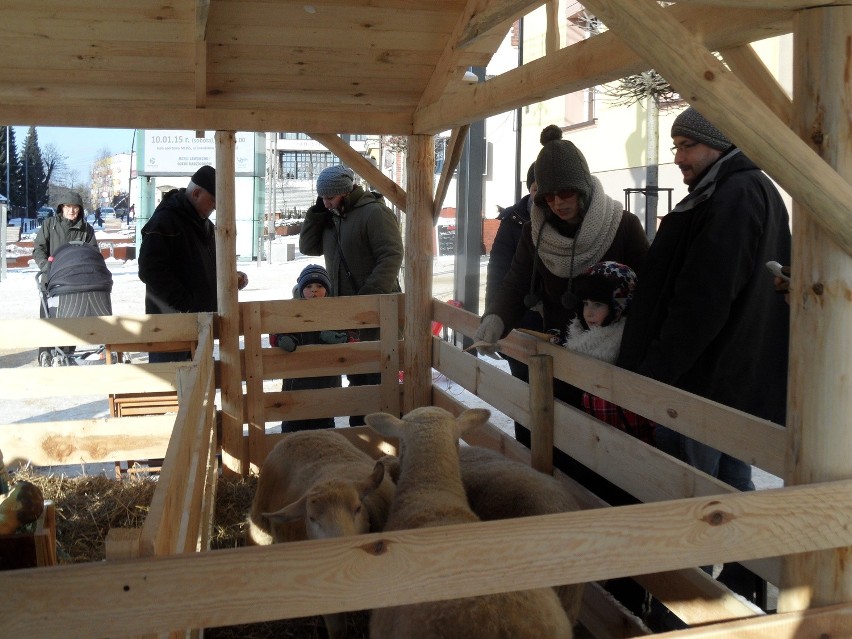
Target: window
[(305, 165), (580, 105)]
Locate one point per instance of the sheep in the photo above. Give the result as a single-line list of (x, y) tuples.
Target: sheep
[(316, 484), (499, 488), (430, 493)]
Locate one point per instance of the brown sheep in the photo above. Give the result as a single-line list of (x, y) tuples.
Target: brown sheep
[(315, 484), (430, 493), (499, 488)]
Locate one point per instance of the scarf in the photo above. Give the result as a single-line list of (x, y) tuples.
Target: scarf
[(600, 342), (587, 247)]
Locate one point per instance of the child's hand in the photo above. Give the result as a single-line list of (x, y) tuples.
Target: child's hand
[(333, 337), (286, 343)]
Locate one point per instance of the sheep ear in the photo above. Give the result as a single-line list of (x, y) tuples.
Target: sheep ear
[(471, 418), (384, 424), (373, 481), (392, 466), (291, 512)]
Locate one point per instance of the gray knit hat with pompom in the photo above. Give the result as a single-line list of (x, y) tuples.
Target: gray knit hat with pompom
[(691, 124), (559, 166)]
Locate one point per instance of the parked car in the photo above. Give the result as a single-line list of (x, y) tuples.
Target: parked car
[(45, 212), (107, 213)]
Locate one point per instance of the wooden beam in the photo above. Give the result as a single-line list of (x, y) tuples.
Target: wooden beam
[(449, 65), (597, 60), (541, 411), (551, 37), (234, 453), (820, 388), (408, 566), (452, 156), (496, 14), (202, 11), (363, 167), (723, 99), (792, 5), (419, 250), (750, 69)]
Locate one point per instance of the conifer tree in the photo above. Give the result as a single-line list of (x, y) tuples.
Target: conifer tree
[(35, 179), (13, 193)]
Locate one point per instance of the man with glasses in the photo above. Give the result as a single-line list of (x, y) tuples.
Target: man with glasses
[(705, 315)]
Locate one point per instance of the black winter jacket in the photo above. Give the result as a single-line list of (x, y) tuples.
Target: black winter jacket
[(512, 220), (177, 259), (705, 316)]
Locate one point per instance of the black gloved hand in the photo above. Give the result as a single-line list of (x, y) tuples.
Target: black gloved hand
[(286, 343), (333, 337), (319, 213)]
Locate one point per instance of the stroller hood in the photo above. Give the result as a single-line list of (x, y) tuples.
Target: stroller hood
[(78, 267)]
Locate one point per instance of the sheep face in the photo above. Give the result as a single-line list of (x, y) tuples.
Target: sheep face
[(333, 508), (424, 417)]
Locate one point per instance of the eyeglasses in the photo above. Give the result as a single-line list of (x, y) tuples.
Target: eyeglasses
[(562, 195), (683, 147)]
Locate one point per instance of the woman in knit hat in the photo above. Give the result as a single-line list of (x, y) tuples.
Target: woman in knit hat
[(573, 225), (312, 283)]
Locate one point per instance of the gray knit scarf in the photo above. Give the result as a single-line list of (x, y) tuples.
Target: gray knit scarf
[(592, 240)]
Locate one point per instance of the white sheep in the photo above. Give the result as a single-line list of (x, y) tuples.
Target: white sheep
[(315, 484), (430, 493), (500, 488)]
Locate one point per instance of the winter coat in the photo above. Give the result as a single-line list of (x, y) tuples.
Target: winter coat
[(602, 342), (367, 234), (177, 259), (628, 246), (57, 231), (512, 220), (705, 316)]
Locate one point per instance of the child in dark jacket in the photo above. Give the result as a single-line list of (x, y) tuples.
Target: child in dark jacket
[(313, 282), (605, 289)]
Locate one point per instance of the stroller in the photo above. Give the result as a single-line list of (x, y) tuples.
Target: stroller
[(77, 284)]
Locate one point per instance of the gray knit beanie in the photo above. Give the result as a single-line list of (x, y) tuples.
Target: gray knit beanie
[(560, 165), (335, 180), (691, 124)]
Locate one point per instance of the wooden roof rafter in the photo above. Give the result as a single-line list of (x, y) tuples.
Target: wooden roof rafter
[(602, 58), (202, 13)]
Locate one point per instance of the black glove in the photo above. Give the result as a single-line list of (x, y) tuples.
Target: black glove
[(333, 337), (319, 213), (286, 343)]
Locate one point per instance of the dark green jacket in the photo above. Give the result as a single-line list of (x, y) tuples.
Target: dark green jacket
[(366, 234), (57, 231)]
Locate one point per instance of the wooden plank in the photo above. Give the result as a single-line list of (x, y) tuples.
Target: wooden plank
[(753, 72), (89, 441), (541, 412), (431, 563), (819, 403), (254, 376), (453, 153), (319, 314), (177, 114), (16, 383), (363, 167), (315, 360), (494, 15), (113, 329), (325, 402), (724, 100), (594, 61), (389, 360), (419, 233)]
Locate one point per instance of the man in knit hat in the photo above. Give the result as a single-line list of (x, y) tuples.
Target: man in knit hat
[(705, 317), (177, 258), (359, 238)]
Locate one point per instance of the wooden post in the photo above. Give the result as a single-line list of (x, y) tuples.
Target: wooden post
[(541, 411), (234, 455), (819, 409), (418, 273)]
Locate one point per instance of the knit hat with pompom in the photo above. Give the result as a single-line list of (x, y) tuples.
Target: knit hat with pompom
[(559, 166), (313, 274), (610, 283)]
